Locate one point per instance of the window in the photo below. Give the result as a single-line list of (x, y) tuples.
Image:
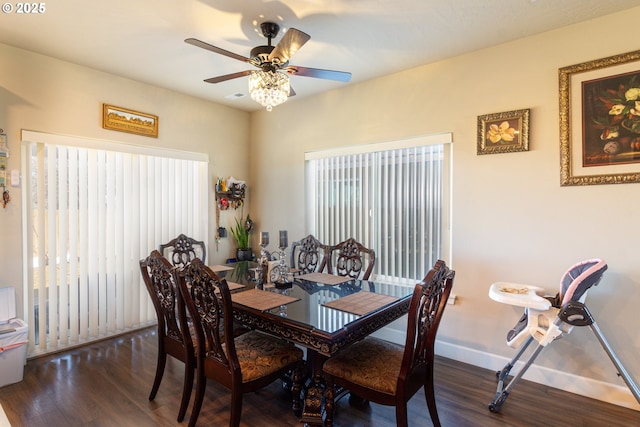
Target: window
[(92, 210), (392, 197)]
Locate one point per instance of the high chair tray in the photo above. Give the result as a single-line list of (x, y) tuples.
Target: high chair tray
[(519, 295)]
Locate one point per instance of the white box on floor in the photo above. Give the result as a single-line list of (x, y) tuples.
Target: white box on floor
[(13, 339)]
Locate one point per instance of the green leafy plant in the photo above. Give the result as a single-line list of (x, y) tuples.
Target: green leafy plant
[(241, 234)]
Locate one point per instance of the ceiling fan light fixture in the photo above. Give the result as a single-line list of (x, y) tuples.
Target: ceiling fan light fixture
[(269, 88)]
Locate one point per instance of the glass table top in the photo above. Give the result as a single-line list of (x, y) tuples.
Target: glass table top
[(310, 308)]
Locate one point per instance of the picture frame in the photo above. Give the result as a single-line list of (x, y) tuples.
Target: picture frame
[(506, 132), (600, 121), (126, 120)]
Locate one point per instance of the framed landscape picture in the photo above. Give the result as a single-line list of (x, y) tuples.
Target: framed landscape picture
[(125, 120)]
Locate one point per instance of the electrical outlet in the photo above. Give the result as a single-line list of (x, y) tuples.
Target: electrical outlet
[(452, 299), (15, 178)]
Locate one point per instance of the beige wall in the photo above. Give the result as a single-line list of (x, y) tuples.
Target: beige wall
[(511, 219), (44, 94)]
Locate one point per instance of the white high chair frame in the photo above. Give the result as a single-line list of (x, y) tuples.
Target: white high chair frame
[(547, 318)]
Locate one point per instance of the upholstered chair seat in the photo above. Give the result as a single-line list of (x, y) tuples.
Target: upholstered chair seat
[(261, 355), (371, 363)]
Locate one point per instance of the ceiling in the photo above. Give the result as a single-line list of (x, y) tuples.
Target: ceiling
[(144, 39)]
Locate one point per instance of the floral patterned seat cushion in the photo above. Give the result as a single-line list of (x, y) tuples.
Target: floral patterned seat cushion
[(372, 363), (260, 354)]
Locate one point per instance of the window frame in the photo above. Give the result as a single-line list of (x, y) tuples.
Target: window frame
[(444, 139)]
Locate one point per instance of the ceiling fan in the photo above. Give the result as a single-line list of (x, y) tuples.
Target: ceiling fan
[(270, 84)]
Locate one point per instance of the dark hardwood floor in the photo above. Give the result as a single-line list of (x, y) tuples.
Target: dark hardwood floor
[(108, 384)]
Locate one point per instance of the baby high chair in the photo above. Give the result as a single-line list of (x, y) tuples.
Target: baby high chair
[(547, 318)]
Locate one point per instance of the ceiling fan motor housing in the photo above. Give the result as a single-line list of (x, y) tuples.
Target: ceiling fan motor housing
[(260, 54), (260, 58)]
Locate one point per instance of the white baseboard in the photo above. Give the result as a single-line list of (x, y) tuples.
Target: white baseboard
[(600, 390), (611, 393)]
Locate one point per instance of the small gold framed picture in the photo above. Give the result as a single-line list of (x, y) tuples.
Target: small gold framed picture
[(125, 120), (506, 132)]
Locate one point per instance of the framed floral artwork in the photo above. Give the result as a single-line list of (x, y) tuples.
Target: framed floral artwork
[(600, 121), (506, 132)]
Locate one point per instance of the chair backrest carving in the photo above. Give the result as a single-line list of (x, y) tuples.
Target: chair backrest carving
[(157, 274), (352, 259), (182, 250), (309, 255), (208, 302), (427, 306)]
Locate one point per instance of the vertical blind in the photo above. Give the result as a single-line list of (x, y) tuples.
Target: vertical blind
[(92, 210), (392, 199)]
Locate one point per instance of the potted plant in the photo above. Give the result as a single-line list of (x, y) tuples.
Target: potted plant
[(240, 233)]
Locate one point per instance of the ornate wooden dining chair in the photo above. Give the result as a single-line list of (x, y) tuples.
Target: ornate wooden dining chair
[(387, 373), (243, 364), (174, 338), (351, 258), (308, 255), (182, 250)]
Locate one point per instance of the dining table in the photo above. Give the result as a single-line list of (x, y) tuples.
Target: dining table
[(320, 312)]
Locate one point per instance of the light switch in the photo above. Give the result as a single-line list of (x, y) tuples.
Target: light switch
[(15, 178)]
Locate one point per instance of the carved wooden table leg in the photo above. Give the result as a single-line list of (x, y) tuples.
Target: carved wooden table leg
[(312, 411), (296, 389), (329, 403)]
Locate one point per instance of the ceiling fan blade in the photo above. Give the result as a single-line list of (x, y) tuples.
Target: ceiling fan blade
[(341, 76), (226, 77), (215, 49), (292, 40)]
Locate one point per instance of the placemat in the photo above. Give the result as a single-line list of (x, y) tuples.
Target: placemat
[(327, 279), (261, 300), (360, 303), (219, 268), (233, 285)]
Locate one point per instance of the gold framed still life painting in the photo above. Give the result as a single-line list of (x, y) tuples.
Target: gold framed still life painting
[(600, 121), (506, 132)]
